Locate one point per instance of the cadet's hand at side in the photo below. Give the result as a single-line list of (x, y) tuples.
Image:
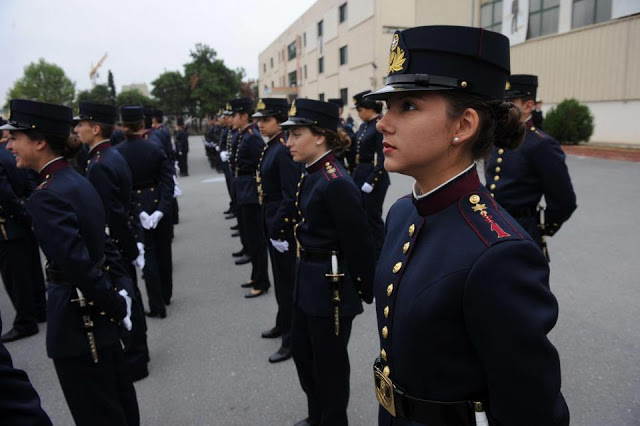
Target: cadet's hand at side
[(127, 320), (139, 262), (281, 246), (366, 187), (155, 218), (144, 220), (224, 156)]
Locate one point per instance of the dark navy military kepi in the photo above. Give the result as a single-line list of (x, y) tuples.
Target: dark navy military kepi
[(440, 57), (268, 107), (308, 112), (359, 98), (336, 101), (521, 86), (241, 105), (49, 118), (158, 115), (96, 112), (131, 113)]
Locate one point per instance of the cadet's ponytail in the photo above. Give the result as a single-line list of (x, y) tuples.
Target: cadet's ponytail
[(499, 122), (64, 146), (336, 141)]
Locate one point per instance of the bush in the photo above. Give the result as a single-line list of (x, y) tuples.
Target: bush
[(569, 122)]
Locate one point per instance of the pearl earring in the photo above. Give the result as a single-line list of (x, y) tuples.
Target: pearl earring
[(318, 143), (456, 140)]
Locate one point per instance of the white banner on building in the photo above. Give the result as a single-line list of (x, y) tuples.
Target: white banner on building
[(515, 20), (620, 8)]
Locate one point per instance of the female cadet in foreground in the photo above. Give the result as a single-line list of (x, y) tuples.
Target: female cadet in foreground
[(462, 292), (335, 261), (83, 308)]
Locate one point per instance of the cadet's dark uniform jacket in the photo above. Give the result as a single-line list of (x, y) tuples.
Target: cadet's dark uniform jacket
[(464, 307), (518, 179), (279, 176), (109, 173), (331, 218), (162, 136), (182, 141), (15, 187), (368, 157), (250, 146), (69, 222), (151, 174)]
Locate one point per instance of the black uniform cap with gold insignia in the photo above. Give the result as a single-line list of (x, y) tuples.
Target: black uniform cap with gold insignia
[(336, 101), (241, 105), (442, 57), (309, 112), (49, 118), (100, 113), (521, 86), (268, 107), (131, 113)]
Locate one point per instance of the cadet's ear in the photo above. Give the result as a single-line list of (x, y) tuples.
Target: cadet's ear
[(466, 126), (528, 106)]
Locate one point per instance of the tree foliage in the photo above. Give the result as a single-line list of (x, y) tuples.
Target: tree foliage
[(100, 94), (44, 82), (210, 82), (172, 92), (112, 88), (570, 122), (134, 97)]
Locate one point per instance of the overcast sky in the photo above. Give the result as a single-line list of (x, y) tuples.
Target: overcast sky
[(143, 38)]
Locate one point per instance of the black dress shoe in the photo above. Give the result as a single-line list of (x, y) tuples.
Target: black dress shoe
[(153, 314), (13, 335), (234, 227), (282, 354), (138, 373), (305, 422), (247, 284), (238, 253), (230, 216), (272, 334), (42, 317), (251, 294), (227, 211), (244, 259), (235, 234)]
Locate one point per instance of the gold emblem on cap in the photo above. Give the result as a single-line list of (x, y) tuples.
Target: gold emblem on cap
[(507, 86), (474, 199), (228, 106), (396, 60), (261, 106), (394, 42), (293, 110)]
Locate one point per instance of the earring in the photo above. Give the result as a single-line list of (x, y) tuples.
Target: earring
[(318, 143), (456, 139)]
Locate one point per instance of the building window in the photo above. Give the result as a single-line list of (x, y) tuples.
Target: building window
[(321, 97), (344, 95), (264, 67), (291, 51), (265, 88), (343, 12), (543, 17), (320, 65), (344, 55), (293, 79), (271, 62), (320, 27), (272, 85), (491, 15), (304, 39), (305, 72), (589, 12)]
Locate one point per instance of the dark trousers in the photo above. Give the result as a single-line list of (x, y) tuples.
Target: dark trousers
[(136, 350), (322, 362), (183, 165), (99, 394), (373, 207), (158, 269), (283, 266), (227, 178), (256, 244), (22, 276)]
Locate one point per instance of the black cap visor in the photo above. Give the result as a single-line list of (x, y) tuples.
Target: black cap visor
[(298, 122), (14, 125), (415, 83)]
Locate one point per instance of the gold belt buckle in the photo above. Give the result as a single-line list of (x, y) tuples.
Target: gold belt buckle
[(384, 390)]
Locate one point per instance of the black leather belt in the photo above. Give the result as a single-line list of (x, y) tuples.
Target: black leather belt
[(272, 198), (522, 211), (316, 255), (58, 276), (245, 173), (393, 399)]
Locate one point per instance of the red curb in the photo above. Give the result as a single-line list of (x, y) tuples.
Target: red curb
[(620, 154)]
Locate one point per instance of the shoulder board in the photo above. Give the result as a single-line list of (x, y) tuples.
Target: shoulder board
[(281, 140), (482, 214), (534, 130), (45, 183), (331, 171)]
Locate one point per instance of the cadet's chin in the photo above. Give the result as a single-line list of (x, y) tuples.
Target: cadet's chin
[(391, 165)]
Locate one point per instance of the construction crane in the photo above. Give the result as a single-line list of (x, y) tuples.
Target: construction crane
[(93, 74)]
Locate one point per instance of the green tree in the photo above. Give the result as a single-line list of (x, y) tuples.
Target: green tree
[(112, 88), (570, 122), (134, 97), (211, 83), (44, 82), (99, 94), (172, 92)]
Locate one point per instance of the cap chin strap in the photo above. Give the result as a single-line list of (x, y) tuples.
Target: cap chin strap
[(427, 80)]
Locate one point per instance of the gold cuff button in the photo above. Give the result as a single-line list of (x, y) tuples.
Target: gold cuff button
[(383, 354), (389, 289), (385, 332), (405, 248), (386, 312), (397, 267), (412, 230)]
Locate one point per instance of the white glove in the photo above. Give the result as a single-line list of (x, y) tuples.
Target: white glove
[(366, 187), (139, 262), (127, 320), (224, 156), (281, 246), (155, 218), (217, 148), (176, 191), (144, 220), (175, 166)]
